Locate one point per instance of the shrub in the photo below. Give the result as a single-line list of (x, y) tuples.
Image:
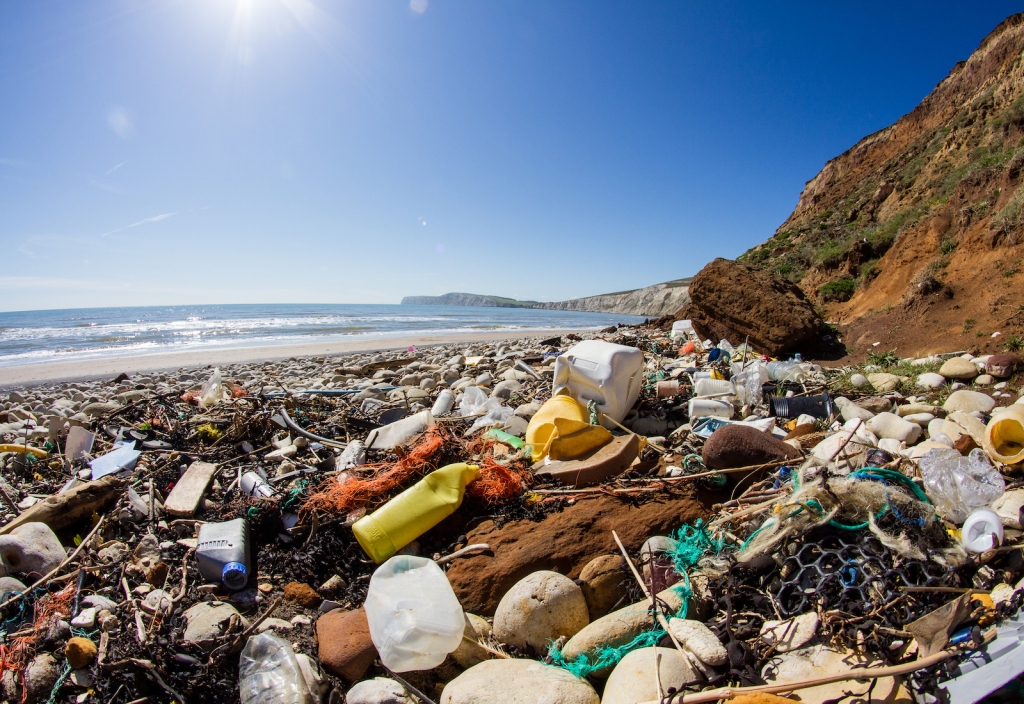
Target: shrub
[(840, 290), (1014, 344), (884, 359)]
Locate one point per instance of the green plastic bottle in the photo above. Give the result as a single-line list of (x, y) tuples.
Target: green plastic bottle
[(413, 512)]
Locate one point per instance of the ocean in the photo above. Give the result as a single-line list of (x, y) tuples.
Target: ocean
[(31, 337)]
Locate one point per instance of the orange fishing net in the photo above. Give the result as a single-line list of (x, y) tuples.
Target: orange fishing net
[(48, 610), (498, 483), (354, 492)]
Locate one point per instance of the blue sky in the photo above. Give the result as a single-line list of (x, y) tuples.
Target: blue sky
[(233, 151)]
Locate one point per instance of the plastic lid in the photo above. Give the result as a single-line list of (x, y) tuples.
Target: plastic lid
[(234, 575)]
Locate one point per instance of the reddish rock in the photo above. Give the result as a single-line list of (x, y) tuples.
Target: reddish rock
[(742, 446), (732, 301), (344, 645), (964, 444), (563, 542), (1002, 365), (302, 594)]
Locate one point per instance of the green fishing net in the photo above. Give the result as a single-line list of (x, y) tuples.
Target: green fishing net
[(692, 543)]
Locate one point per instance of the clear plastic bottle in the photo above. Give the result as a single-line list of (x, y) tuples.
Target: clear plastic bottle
[(222, 553), (785, 371), (414, 616), (269, 673)]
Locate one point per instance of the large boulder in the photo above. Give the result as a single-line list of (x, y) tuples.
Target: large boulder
[(731, 301)]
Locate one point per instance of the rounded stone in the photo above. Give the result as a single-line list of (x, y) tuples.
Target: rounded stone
[(80, 652), (633, 679), (859, 380), (540, 608), (699, 640), (890, 425), (969, 401), (958, 368), (984, 380), (379, 690), (603, 581), (31, 548), (930, 380), (516, 681), (1002, 365), (742, 446), (468, 653)]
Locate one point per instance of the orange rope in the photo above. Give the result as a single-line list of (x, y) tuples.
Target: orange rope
[(48, 610), (351, 493)]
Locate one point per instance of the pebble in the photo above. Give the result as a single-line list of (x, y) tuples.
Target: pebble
[(883, 381), (859, 380), (964, 400), (790, 634), (603, 581), (86, 618), (890, 425), (469, 653), (958, 368), (633, 680), (344, 645), (539, 608), (930, 380), (80, 652), (277, 624), (984, 380), (514, 681), (207, 620), (699, 640), (379, 690)]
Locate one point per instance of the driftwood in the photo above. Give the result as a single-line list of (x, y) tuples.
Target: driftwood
[(80, 502)]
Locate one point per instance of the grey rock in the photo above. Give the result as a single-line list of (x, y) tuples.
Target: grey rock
[(699, 640), (207, 620), (633, 680)]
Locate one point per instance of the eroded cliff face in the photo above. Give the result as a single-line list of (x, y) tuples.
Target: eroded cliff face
[(914, 237), (652, 301)]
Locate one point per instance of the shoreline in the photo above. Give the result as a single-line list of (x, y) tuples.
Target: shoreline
[(28, 375)]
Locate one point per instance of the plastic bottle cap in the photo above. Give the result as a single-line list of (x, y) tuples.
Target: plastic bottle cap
[(234, 575)]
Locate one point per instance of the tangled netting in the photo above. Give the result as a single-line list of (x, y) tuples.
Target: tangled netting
[(495, 483), (886, 502), (692, 544), (50, 608)]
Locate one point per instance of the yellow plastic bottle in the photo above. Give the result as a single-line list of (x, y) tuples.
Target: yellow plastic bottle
[(413, 512)]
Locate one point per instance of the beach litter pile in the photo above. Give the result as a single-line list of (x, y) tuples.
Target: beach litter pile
[(635, 515)]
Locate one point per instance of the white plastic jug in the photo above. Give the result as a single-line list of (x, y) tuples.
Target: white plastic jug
[(414, 616), (709, 407), (713, 387), (594, 370)]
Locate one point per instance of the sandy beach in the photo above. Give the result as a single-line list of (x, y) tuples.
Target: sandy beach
[(76, 370)]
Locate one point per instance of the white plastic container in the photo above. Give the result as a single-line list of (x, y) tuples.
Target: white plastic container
[(709, 407), (253, 484), (269, 671), (399, 432), (222, 553), (443, 404), (414, 616), (594, 370), (713, 387), (683, 328)]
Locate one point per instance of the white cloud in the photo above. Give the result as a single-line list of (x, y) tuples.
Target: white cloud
[(144, 221), (117, 167), (120, 122)]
